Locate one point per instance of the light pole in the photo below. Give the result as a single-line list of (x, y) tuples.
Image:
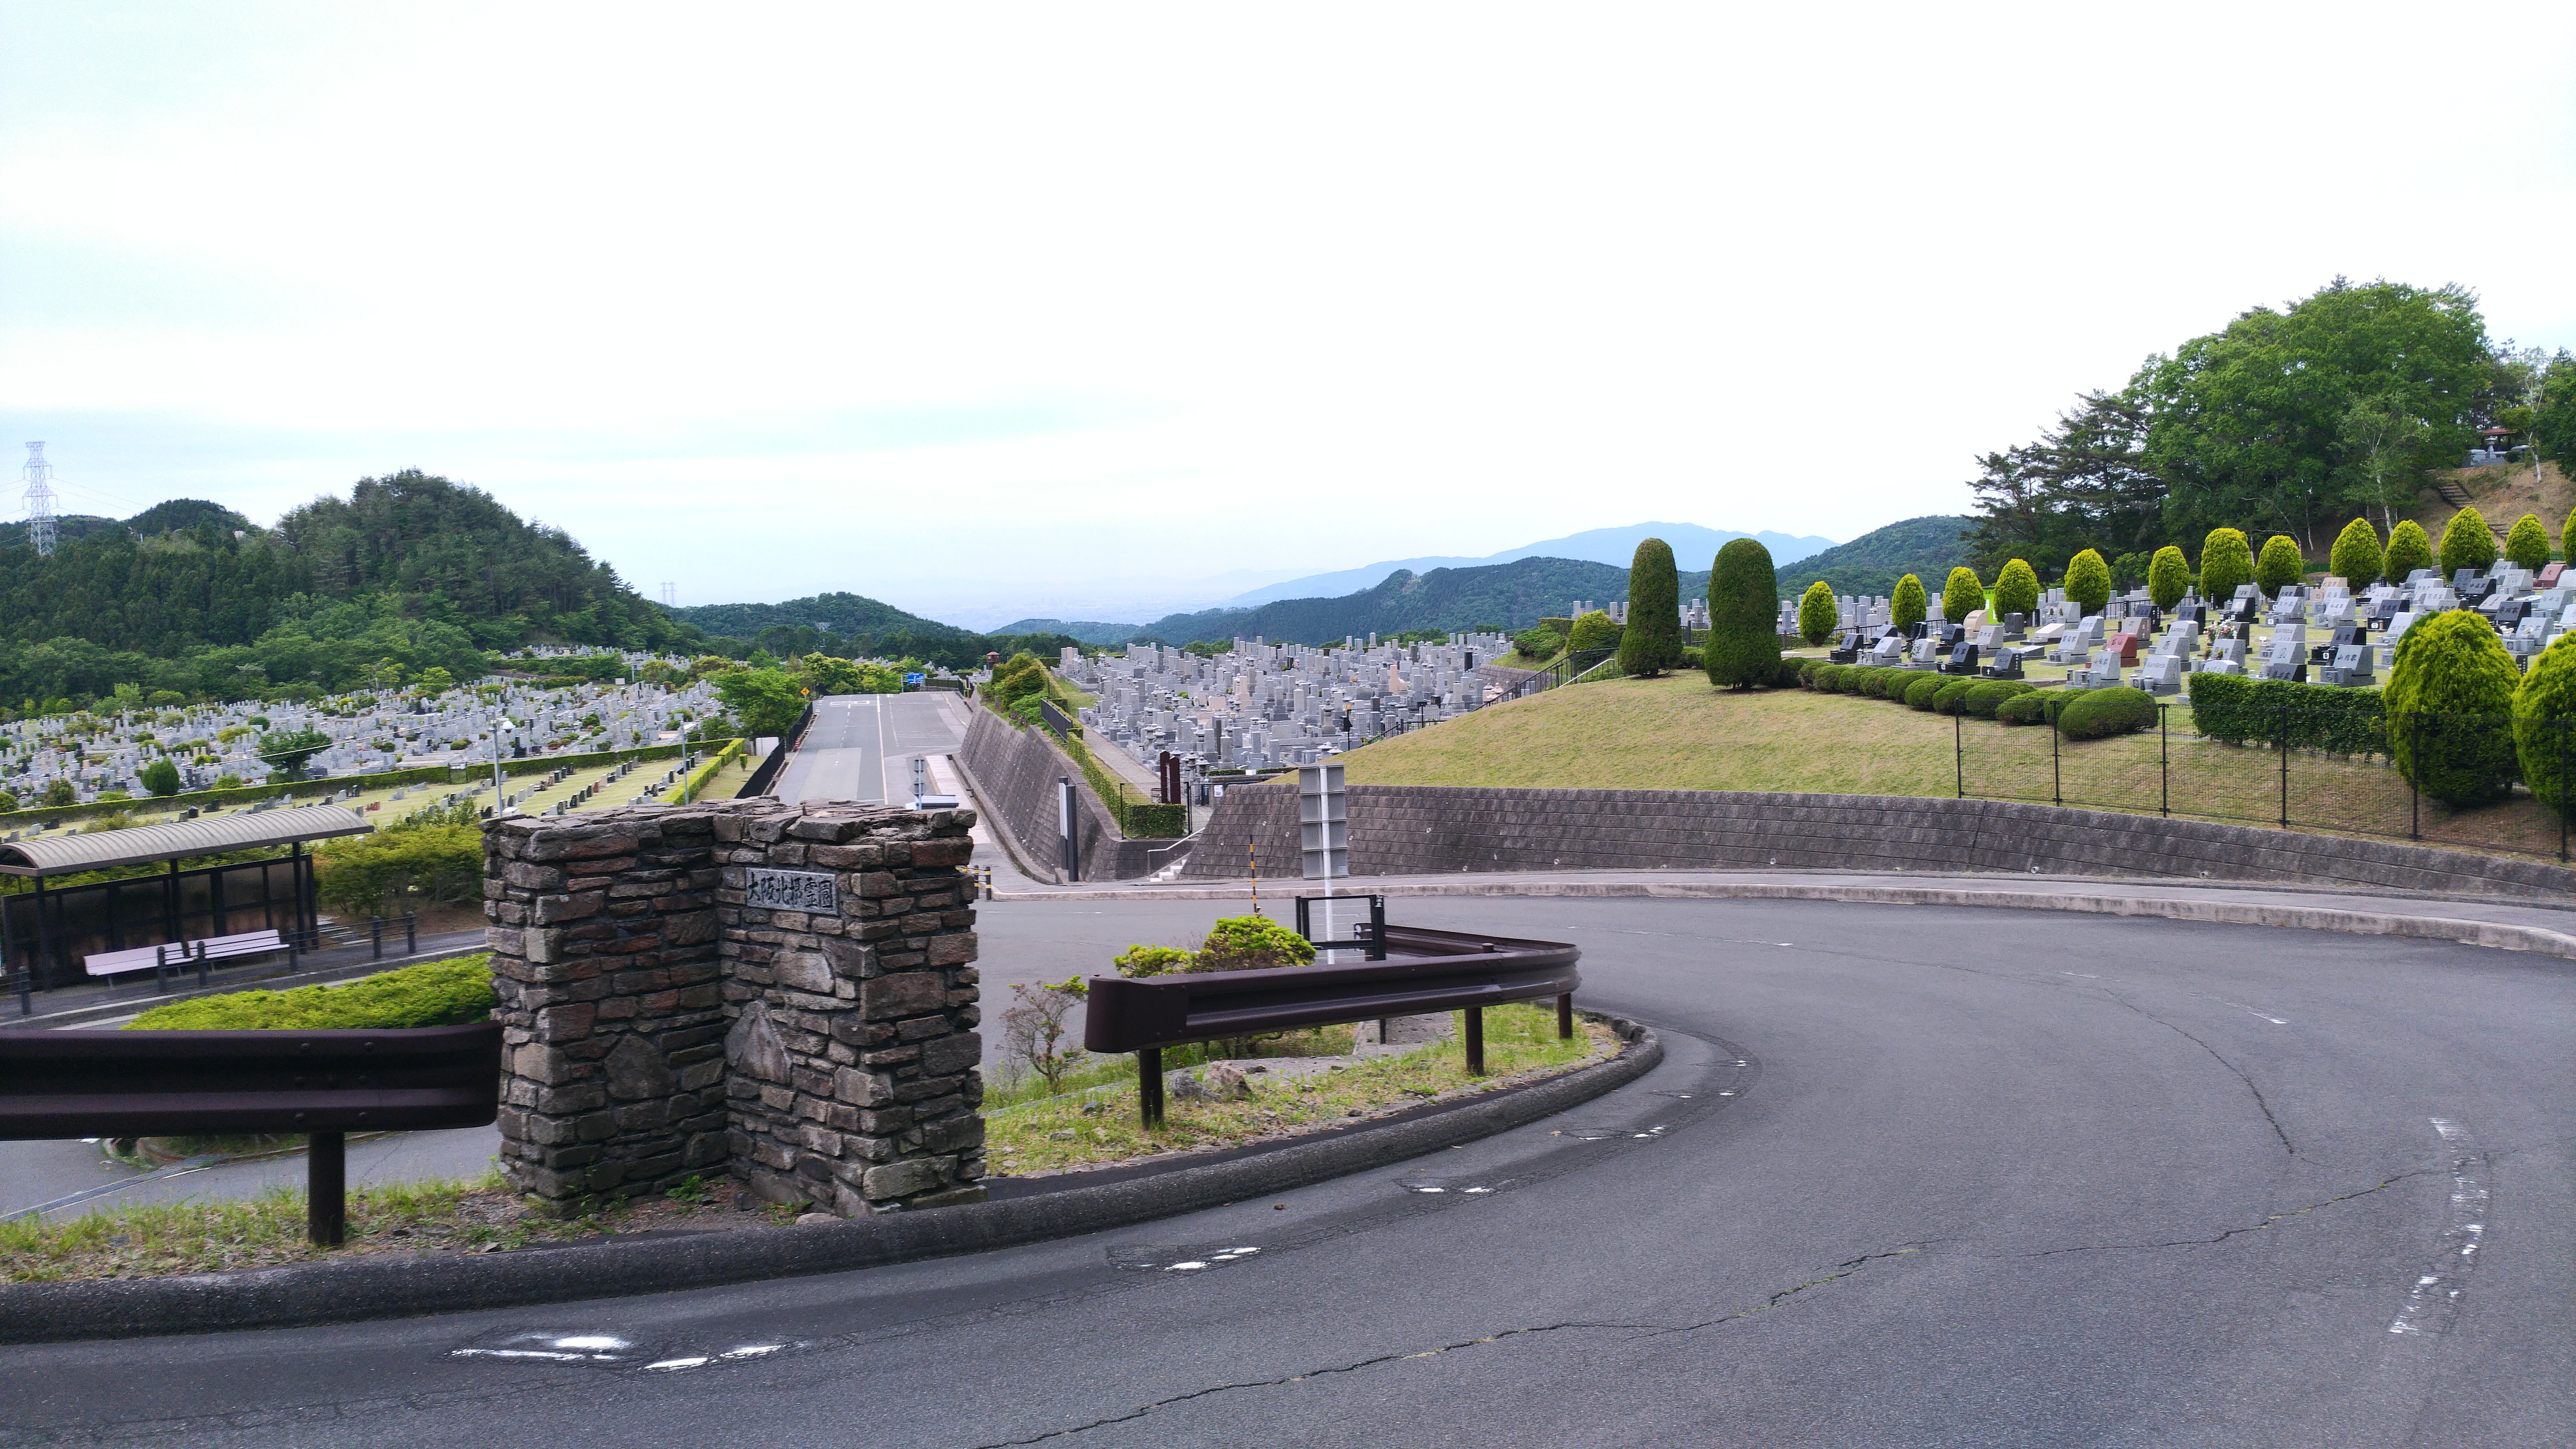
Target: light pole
[(499, 795)]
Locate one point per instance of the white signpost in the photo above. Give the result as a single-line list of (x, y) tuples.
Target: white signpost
[(1323, 830)]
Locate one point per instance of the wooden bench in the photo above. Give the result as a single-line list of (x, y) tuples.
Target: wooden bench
[(199, 953)]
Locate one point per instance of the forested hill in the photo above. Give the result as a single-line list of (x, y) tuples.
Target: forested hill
[(845, 614), (409, 570), (1507, 596), (1927, 547)]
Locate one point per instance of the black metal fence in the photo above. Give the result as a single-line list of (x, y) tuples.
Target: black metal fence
[(2442, 779)]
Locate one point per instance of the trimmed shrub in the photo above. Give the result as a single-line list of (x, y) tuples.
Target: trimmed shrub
[(1817, 614), (2100, 713), (1987, 697), (2226, 564), (2357, 557), (1908, 604), (2527, 543), (160, 778), (2056, 701), (436, 860), (1951, 697), (2168, 577), (2022, 709), (1743, 647), (2544, 723), (2450, 706), (2409, 548), (2467, 543), (1806, 670), (1594, 630), (1963, 595), (2280, 565), (2276, 712), (439, 993), (2017, 589), (1874, 682), (2088, 581), (1791, 674), (1827, 678), (1653, 641), (1921, 687)]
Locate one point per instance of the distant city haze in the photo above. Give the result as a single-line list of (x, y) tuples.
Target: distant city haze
[(1110, 312)]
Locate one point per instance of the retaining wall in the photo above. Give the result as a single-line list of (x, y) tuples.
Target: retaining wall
[(1016, 769), (1412, 829)]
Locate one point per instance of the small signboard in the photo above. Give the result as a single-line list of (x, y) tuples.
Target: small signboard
[(814, 892), (913, 681)]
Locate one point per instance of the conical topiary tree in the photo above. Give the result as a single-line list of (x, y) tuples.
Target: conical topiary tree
[(2226, 564), (2467, 543), (2280, 565), (1653, 642), (2544, 725), (2017, 589), (1907, 606), (2356, 557), (1818, 613), (1962, 595), (2088, 581), (2409, 548), (1743, 646), (2168, 577), (2450, 700), (2526, 544)]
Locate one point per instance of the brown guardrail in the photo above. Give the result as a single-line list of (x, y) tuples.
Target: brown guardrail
[(1424, 971), (193, 1083)]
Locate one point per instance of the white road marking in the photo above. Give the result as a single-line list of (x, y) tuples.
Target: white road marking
[(2434, 1301)]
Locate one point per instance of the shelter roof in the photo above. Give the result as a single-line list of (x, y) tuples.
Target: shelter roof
[(151, 844)]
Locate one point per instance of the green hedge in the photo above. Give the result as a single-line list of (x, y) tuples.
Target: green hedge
[(439, 993), (2022, 709), (1951, 697), (2055, 701), (2276, 712), (1920, 689), (1987, 696), (1137, 819), (2100, 713)]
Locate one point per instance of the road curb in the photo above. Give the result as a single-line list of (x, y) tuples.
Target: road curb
[(2498, 935), (355, 1289)]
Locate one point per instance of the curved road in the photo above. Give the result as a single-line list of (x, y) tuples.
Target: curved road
[(1908, 1176)]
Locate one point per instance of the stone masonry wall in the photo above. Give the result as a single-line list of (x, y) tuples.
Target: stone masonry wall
[(786, 993)]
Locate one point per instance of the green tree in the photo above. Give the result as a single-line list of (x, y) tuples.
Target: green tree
[(2527, 544), (1962, 595), (2385, 451), (1653, 640), (1907, 606), (435, 680), (2088, 581), (160, 777), (1818, 613), (8, 801), (59, 792), (2450, 703), (2409, 548), (767, 701), (2279, 565), (287, 750), (2226, 564), (2168, 577), (2017, 589), (2356, 558), (1743, 647), (1594, 629), (2553, 420), (2467, 543), (2544, 725)]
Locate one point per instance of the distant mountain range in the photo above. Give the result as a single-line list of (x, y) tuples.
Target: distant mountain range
[(1509, 596), (1089, 631), (1927, 547), (1613, 546)]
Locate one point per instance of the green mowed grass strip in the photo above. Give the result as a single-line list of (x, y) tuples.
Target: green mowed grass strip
[(1099, 1127), (1676, 733)]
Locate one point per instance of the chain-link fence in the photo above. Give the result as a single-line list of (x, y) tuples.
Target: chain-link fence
[(2473, 781)]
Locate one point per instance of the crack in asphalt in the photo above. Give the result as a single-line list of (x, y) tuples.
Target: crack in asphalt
[(2232, 1068), (1648, 1330), (2280, 1217)]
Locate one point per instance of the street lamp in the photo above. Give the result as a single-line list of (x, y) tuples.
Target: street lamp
[(499, 795)]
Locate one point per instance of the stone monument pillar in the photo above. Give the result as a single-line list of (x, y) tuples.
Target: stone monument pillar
[(784, 993)]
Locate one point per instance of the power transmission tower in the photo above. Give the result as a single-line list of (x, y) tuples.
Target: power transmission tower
[(670, 595), (40, 501)]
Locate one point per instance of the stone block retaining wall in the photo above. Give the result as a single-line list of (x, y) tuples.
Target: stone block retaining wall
[(665, 1013), (1414, 829), (1016, 769)]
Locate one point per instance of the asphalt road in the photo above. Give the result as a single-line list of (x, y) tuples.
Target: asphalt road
[(1909, 1176), (860, 746)]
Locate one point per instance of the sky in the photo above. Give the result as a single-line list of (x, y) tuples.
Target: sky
[(1098, 311)]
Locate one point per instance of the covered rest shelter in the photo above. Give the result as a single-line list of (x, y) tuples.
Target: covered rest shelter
[(47, 932)]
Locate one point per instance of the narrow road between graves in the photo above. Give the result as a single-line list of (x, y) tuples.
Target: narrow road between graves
[(1907, 1176)]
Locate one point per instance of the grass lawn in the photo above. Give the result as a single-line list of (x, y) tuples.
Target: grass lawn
[(1078, 1128), (1676, 733)]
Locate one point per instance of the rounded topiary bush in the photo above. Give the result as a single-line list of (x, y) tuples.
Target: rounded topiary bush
[(1907, 605), (2527, 543), (2226, 564), (2280, 565), (1652, 642), (1827, 678), (1987, 698), (1743, 647), (1951, 697), (1850, 680), (2088, 581), (1807, 670), (1890, 684), (2544, 723), (1919, 691), (2022, 709), (2409, 548), (1868, 680), (1817, 613), (2467, 543), (2055, 701), (1792, 672), (1962, 595), (2118, 710), (2168, 577), (2449, 704), (2357, 557), (2017, 589)]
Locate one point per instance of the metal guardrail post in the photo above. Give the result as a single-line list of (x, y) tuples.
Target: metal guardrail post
[(1565, 1017), (1475, 1041), (1149, 1086), (326, 1188), (1377, 928)]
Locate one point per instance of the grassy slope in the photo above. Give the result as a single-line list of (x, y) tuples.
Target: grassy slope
[(1676, 733), (2500, 494)]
